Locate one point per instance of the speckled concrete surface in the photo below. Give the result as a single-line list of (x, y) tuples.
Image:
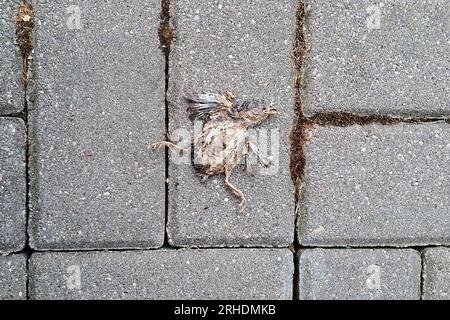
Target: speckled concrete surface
[(360, 274), (13, 277), (12, 185), (388, 57), (163, 274), (12, 93), (376, 185), (436, 274), (94, 181)]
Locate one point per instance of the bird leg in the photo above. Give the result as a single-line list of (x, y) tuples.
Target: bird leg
[(238, 193)]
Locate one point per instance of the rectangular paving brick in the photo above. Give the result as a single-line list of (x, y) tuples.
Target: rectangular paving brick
[(98, 104), (163, 274), (244, 47), (12, 94), (360, 274), (13, 277), (376, 185), (12, 185), (378, 57), (436, 274)]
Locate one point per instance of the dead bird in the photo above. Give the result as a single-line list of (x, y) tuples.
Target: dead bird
[(224, 142)]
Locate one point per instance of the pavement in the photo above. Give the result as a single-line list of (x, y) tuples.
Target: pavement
[(12, 93), (89, 211), (163, 274), (393, 189), (12, 185), (436, 281), (13, 277), (360, 274), (384, 58), (95, 182)]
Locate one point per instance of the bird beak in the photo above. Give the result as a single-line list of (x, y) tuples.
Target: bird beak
[(229, 95), (271, 111)]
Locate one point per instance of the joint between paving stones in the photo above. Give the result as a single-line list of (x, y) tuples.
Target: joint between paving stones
[(345, 119), (20, 115), (25, 24), (369, 247), (165, 33), (422, 272), (298, 248), (297, 134)]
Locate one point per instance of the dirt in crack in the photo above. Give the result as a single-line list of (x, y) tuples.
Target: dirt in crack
[(297, 135), (345, 119), (298, 132), (301, 123), (165, 31), (24, 28)]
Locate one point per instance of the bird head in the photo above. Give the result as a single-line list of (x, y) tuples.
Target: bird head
[(270, 110), (257, 112), (229, 95)]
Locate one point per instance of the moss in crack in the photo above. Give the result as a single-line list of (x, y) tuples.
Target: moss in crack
[(24, 29), (298, 132), (165, 31), (299, 125), (344, 119)]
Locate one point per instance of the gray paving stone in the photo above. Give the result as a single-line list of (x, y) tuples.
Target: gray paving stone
[(359, 274), (378, 57), (376, 185), (98, 105), (163, 274), (12, 185), (13, 277), (12, 95), (436, 274), (244, 47)]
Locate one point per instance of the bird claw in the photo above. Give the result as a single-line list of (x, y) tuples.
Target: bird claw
[(157, 145), (242, 205), (172, 146)]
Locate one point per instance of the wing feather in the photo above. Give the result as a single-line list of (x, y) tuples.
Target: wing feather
[(202, 104)]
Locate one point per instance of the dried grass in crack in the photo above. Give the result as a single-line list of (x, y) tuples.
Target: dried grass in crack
[(224, 142), (24, 28)]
